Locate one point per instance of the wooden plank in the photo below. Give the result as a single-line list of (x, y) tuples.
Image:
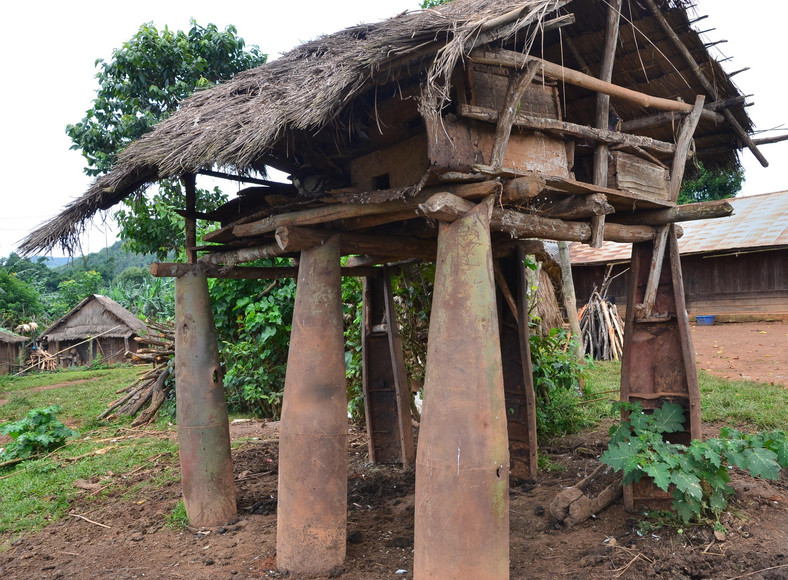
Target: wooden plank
[(176, 270), (574, 207), (632, 173), (657, 258), (680, 213)]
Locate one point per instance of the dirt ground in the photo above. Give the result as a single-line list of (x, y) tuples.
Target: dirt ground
[(753, 351), (127, 536)]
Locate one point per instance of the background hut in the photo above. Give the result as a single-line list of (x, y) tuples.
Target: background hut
[(96, 326), (735, 268), (10, 351)]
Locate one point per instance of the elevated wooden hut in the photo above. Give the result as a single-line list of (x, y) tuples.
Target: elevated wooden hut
[(11, 353), (97, 326), (451, 134)]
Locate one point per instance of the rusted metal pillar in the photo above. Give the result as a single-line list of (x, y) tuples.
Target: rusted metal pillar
[(658, 363), (462, 463), (203, 428), (312, 498)]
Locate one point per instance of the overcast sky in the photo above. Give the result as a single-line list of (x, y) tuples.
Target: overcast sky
[(49, 51)]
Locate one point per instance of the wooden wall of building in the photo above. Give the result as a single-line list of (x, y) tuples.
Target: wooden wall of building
[(747, 286), (9, 357)]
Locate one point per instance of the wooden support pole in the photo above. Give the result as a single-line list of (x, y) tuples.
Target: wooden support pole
[(312, 491), (708, 86), (461, 527), (190, 185), (709, 113), (570, 300), (203, 426), (518, 84), (603, 114), (657, 258), (512, 59), (683, 146)]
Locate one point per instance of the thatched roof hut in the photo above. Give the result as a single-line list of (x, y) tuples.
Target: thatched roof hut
[(10, 350), (97, 325), (346, 95)]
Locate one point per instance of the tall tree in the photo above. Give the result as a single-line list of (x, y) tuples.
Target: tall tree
[(143, 83)]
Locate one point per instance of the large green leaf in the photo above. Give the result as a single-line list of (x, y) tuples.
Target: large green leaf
[(660, 473), (621, 457), (669, 418), (762, 463), (687, 483)]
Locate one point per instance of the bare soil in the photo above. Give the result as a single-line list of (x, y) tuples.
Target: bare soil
[(753, 351), (138, 544), (616, 544)]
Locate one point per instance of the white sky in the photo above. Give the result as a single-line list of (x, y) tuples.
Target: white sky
[(49, 49)]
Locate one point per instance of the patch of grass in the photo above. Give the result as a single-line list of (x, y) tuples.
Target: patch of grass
[(177, 518), (745, 404), (39, 492), (11, 383), (546, 463), (80, 402)]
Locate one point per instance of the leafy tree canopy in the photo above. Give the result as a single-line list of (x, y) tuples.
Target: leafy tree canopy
[(18, 300), (146, 80), (144, 83), (711, 184)]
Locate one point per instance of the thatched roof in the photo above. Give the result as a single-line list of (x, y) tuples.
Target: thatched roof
[(95, 315), (11, 337), (321, 91)]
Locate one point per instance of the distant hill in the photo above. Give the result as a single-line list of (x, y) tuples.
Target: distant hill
[(51, 262), (110, 261)]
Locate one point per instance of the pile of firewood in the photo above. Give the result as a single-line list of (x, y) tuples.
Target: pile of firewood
[(41, 360), (151, 386), (601, 328)]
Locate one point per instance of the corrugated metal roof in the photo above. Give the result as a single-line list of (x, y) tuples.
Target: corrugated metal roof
[(758, 221)]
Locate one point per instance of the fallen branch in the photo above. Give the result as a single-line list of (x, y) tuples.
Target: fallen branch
[(89, 520)]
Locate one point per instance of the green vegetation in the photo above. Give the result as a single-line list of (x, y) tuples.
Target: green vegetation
[(702, 184), (177, 518), (38, 432), (698, 474), (37, 492)]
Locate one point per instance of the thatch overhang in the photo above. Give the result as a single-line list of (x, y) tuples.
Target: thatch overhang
[(317, 105), (107, 318), (11, 337)]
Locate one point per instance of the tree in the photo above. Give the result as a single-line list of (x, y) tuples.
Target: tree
[(18, 300), (711, 184), (144, 83)]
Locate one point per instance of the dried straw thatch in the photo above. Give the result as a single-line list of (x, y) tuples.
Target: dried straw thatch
[(11, 338), (95, 315), (319, 95)]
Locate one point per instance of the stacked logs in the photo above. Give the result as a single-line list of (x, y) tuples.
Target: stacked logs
[(41, 360), (151, 386), (601, 328)]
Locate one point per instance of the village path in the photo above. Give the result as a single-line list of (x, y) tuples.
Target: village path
[(755, 351)]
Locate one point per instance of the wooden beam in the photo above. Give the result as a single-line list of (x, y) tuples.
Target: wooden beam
[(575, 207), (518, 84), (447, 207), (708, 86), (680, 213), (709, 113), (644, 310), (682, 148), (244, 179), (522, 188), (343, 211), (517, 60), (176, 270), (564, 128)]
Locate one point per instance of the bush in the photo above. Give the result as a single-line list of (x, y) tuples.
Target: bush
[(39, 432)]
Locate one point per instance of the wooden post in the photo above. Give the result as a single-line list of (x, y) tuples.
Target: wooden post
[(570, 300), (462, 463), (190, 185), (386, 392), (603, 114), (658, 364), (203, 426), (683, 146), (312, 494), (518, 84)]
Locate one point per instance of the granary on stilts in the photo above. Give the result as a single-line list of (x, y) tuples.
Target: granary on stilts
[(453, 134), (11, 351)]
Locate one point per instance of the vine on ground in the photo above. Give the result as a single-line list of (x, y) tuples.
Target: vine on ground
[(697, 475)]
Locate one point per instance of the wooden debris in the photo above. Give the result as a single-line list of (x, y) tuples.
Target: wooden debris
[(591, 495), (41, 360), (602, 330), (151, 387)]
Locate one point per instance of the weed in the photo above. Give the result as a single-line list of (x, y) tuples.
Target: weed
[(177, 518)]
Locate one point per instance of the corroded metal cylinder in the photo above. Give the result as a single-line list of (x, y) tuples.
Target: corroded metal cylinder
[(462, 465), (312, 495), (203, 427)]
